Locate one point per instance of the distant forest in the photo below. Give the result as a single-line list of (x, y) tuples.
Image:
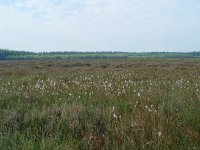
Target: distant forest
[(6, 54)]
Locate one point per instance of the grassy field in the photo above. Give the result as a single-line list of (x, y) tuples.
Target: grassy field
[(100, 104)]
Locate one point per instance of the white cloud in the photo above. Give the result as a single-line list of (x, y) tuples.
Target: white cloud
[(98, 25)]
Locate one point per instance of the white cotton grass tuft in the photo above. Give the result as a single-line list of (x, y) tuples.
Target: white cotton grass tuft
[(159, 134)]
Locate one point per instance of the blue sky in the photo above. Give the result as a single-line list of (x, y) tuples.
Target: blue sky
[(100, 25)]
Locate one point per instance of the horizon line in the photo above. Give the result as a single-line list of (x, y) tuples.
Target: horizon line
[(96, 51)]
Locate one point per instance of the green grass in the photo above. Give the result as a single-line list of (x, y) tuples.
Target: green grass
[(146, 104)]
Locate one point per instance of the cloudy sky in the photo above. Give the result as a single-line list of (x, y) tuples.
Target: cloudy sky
[(100, 25)]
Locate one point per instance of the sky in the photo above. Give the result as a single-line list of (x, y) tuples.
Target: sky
[(100, 25)]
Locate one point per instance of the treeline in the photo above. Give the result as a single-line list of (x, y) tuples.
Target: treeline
[(6, 54), (23, 55)]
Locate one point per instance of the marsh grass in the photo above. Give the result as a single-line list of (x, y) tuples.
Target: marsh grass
[(129, 104)]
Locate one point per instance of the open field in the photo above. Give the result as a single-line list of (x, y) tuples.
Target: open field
[(100, 104)]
